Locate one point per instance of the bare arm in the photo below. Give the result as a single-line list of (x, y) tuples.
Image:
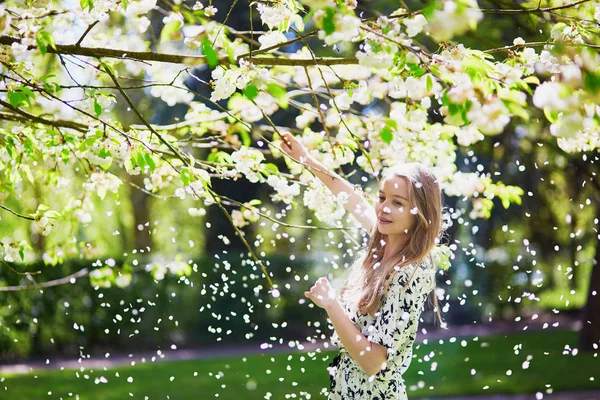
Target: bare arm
[(357, 205), (371, 357)]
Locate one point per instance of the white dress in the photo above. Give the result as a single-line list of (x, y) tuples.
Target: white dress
[(395, 328)]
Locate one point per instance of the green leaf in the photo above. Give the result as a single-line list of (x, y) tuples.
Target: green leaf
[(87, 143), (97, 108), (517, 110), (186, 176), (386, 135), (124, 4), (149, 161), (591, 80), (391, 123), (415, 70), (41, 45), (272, 168), (430, 9), (43, 40), (329, 21), (279, 93), (15, 98), (209, 53), (22, 253), (89, 4), (251, 91), (20, 96), (141, 161), (532, 79), (429, 83), (65, 155), (169, 30), (245, 137), (551, 115)]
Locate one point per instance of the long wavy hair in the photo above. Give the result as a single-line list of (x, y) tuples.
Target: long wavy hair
[(369, 281)]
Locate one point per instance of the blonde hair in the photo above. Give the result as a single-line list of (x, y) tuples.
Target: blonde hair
[(369, 280)]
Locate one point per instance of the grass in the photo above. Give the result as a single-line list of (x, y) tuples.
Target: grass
[(296, 375)]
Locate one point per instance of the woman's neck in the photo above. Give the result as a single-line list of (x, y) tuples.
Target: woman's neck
[(393, 246)]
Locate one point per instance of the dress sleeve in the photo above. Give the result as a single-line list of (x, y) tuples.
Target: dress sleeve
[(400, 309)]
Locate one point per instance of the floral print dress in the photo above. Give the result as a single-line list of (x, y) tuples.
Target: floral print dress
[(395, 328)]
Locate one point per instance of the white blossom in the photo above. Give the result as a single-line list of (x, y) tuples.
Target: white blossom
[(11, 249), (347, 27), (166, 73), (327, 208), (467, 135), (370, 59), (415, 25), (238, 219), (139, 7), (449, 22), (283, 191), (227, 81), (210, 11), (463, 184), (548, 95), (102, 182), (274, 17), (490, 117), (462, 89), (247, 162), (270, 39)]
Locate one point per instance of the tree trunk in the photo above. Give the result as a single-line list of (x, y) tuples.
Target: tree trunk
[(590, 333)]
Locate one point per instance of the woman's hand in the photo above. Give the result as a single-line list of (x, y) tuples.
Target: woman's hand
[(322, 294), (292, 147)]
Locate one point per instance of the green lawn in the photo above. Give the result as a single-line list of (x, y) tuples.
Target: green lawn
[(297, 374)]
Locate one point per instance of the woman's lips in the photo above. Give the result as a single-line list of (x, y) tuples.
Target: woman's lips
[(384, 221)]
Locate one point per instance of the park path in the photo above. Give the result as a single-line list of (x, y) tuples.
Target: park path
[(224, 351), (115, 360)]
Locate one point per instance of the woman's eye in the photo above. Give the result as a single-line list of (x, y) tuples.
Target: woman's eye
[(397, 203), (381, 198)]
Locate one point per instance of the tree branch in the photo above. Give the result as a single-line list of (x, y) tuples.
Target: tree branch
[(56, 282), (301, 62), (531, 10), (89, 28), (32, 118), (539, 44), (72, 49), (16, 213)]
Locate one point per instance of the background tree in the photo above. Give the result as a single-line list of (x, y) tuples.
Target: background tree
[(178, 106)]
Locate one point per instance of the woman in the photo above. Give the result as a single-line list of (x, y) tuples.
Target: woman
[(376, 316)]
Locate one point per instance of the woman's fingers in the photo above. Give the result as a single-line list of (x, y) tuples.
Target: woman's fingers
[(287, 139)]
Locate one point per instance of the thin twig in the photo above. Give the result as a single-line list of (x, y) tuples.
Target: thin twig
[(89, 28), (56, 282), (530, 10), (16, 213)]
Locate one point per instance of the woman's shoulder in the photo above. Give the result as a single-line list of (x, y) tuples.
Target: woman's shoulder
[(419, 273)]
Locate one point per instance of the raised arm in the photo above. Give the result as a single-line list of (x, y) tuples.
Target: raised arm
[(357, 205)]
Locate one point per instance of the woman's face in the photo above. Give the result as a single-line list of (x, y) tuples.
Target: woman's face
[(394, 215)]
